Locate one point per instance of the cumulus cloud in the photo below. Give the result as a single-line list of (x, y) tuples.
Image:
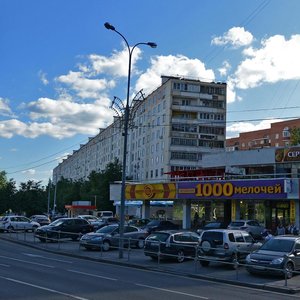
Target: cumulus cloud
[(85, 87), (4, 107), (238, 127), (236, 37), (276, 60), (29, 172), (171, 65), (225, 68)]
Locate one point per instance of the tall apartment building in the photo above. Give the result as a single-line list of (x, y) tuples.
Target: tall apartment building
[(276, 136), (173, 127)]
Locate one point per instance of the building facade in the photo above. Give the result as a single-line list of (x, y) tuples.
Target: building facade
[(278, 135), (172, 128)]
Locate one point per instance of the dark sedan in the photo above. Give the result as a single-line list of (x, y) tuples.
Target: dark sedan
[(64, 228), (109, 236), (279, 255), (171, 244), (156, 225)]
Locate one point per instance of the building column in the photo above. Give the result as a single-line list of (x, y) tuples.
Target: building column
[(146, 209), (186, 222)]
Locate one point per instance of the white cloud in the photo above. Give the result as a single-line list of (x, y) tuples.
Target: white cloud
[(85, 87), (4, 107), (236, 36), (276, 60), (238, 127), (43, 77), (171, 65), (225, 68), (29, 172)]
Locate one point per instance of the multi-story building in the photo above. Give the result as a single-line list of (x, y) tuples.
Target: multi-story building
[(173, 127), (276, 136)]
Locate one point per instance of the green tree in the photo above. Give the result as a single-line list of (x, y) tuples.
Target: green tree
[(295, 136)]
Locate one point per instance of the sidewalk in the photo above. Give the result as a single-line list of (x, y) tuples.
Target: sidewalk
[(136, 258)]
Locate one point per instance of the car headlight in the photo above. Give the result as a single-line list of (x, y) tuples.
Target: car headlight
[(277, 261)]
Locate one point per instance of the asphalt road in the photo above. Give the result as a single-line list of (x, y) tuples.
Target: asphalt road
[(28, 273)]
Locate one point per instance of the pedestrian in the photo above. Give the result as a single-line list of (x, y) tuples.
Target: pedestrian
[(280, 230)]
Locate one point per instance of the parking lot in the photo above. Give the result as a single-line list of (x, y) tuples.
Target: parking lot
[(136, 258)]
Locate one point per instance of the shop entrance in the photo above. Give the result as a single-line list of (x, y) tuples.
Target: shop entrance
[(280, 213)]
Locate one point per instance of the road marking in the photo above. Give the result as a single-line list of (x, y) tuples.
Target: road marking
[(44, 288), (171, 291), (93, 275), (49, 258), (27, 262)]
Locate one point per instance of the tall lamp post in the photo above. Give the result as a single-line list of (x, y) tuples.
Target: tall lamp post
[(126, 120)]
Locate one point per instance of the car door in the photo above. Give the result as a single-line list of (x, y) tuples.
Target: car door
[(240, 245), (297, 257), (250, 243), (24, 223)]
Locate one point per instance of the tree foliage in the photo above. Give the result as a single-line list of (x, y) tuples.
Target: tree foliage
[(32, 198), (295, 136)]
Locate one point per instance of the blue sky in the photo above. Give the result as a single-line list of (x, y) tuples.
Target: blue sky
[(60, 67)]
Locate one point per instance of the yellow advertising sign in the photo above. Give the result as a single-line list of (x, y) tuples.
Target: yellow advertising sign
[(150, 191)]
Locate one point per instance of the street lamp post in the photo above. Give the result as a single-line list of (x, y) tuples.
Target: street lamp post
[(126, 120)]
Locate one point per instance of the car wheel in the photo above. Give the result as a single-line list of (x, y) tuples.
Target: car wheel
[(180, 256), (140, 243), (289, 269), (207, 247), (105, 245), (10, 228), (34, 228), (204, 263)]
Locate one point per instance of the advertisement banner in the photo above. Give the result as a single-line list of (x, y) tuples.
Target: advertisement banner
[(150, 191), (236, 189), (287, 154)]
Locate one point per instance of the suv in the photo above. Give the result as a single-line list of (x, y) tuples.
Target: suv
[(279, 255), (41, 219), (64, 228), (251, 226), (225, 245), (12, 223), (178, 245)]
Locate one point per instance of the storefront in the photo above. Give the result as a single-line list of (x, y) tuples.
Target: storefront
[(269, 201)]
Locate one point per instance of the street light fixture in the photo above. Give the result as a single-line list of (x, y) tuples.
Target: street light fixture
[(126, 121)]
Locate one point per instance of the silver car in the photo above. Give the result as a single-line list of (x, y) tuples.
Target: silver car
[(14, 223), (251, 226), (108, 237), (225, 245)]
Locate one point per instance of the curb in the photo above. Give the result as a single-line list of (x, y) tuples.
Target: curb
[(266, 287)]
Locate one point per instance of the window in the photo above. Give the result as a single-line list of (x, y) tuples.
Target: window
[(286, 132)]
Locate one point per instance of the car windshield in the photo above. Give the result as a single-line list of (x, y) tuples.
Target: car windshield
[(237, 224), (107, 229), (212, 225), (57, 222), (158, 236), (278, 245)]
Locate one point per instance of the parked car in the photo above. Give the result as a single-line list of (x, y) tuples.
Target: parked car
[(212, 225), (96, 222), (156, 225), (225, 245), (108, 221), (13, 223), (139, 222), (251, 226), (279, 255), (171, 244), (41, 219), (64, 228), (109, 236)]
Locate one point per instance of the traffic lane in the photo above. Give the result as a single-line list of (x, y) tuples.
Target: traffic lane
[(136, 256), (137, 284), (85, 279)]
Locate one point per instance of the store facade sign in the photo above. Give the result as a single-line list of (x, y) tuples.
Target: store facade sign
[(237, 189), (287, 154), (150, 191)]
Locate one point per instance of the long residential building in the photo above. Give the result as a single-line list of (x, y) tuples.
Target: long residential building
[(172, 128)]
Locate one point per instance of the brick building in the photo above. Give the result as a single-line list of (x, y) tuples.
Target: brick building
[(276, 136)]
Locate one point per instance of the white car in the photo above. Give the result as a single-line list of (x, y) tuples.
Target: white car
[(13, 223)]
